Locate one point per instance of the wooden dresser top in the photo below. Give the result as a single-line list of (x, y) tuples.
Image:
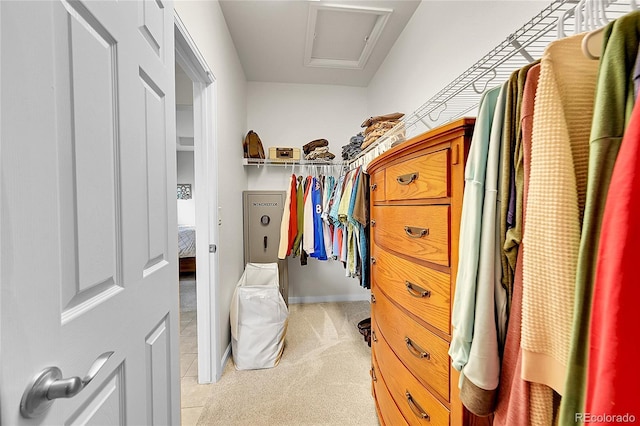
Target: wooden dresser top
[(460, 127)]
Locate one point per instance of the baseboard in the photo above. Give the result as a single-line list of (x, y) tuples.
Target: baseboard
[(331, 298), (225, 358)]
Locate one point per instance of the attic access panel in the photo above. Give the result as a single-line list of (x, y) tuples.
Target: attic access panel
[(342, 36)]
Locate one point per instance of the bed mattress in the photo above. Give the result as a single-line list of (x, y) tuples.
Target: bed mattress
[(186, 241)]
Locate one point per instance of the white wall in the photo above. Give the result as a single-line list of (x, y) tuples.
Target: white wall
[(291, 115), (206, 25), (442, 40), (186, 208), (184, 88)]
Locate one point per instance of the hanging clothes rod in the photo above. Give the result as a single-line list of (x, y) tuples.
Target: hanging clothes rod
[(462, 95)]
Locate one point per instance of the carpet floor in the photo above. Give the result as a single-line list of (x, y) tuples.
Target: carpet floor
[(322, 378)]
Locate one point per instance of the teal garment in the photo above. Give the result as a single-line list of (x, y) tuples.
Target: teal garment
[(352, 228), (364, 257), (333, 214), (330, 183), (469, 246), (481, 375), (612, 109)]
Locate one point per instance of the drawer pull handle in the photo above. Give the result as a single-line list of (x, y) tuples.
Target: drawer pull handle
[(414, 232), (417, 410), (373, 374), (374, 186), (417, 291), (373, 336), (407, 179), (373, 222), (373, 260), (416, 350), (373, 298)]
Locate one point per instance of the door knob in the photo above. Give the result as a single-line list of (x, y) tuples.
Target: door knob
[(49, 385)]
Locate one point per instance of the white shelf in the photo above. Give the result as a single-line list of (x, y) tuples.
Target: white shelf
[(267, 162)]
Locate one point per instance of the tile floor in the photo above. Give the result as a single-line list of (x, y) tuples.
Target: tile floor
[(193, 395)]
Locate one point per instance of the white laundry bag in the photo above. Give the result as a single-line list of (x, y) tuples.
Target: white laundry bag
[(259, 318)]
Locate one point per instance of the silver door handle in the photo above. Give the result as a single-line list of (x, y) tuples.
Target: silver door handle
[(49, 385)]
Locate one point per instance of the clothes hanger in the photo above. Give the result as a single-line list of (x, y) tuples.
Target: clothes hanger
[(592, 44), (595, 22)]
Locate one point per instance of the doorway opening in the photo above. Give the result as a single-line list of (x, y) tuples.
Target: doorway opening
[(187, 193), (196, 144)]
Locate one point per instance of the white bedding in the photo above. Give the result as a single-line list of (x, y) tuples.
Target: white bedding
[(186, 241)]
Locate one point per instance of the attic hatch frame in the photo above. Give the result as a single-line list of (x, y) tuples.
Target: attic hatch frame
[(370, 40), (462, 95)]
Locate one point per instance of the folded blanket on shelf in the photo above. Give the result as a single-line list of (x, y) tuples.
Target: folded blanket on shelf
[(369, 141), (352, 149), (307, 148), (381, 125), (319, 153), (319, 150), (387, 117), (375, 133), (357, 139), (395, 136), (351, 152), (313, 155)]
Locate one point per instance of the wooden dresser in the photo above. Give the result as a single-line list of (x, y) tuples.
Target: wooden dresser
[(416, 202)]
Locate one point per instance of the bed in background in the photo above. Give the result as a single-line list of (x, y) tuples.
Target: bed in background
[(187, 248)]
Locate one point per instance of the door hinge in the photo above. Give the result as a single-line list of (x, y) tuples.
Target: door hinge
[(212, 248)]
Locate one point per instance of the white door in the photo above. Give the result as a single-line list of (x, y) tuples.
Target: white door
[(87, 190)]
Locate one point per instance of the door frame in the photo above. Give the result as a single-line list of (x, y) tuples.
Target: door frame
[(206, 183)]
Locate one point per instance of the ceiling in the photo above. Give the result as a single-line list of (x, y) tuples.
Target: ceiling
[(315, 42)]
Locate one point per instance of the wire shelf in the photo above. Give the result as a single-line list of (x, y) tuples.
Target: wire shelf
[(462, 96), (288, 162)]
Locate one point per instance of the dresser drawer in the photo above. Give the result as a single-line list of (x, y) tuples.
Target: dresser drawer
[(388, 410), (417, 231), (376, 184), (424, 353), (416, 403), (424, 292), (426, 176)]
